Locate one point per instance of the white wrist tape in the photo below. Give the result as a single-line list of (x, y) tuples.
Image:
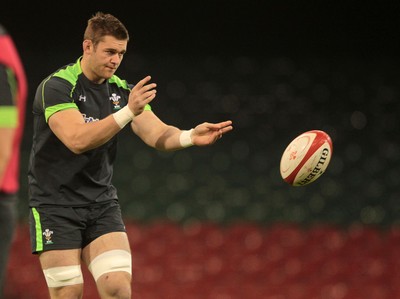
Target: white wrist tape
[(185, 138), (123, 116)]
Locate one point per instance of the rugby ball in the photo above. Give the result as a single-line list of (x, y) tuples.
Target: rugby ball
[(306, 158)]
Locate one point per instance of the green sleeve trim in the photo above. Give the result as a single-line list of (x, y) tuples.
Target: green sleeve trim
[(8, 116), (147, 107), (38, 229), (119, 82), (53, 109)]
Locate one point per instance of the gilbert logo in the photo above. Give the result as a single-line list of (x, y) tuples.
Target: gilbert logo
[(317, 169), (47, 234), (115, 100)]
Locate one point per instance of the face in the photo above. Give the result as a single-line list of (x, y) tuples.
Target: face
[(103, 59)]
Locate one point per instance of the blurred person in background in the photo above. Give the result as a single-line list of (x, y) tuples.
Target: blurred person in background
[(78, 110), (13, 94)]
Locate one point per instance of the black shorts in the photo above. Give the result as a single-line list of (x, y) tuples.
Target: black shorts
[(55, 227)]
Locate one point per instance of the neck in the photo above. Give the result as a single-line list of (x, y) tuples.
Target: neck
[(87, 71)]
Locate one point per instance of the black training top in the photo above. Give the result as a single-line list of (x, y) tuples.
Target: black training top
[(57, 176)]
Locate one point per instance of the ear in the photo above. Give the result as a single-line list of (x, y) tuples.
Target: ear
[(87, 45)]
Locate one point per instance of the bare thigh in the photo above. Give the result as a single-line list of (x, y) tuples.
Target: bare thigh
[(110, 241), (59, 258)]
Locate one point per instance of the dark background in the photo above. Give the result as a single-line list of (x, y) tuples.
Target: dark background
[(277, 69), (295, 28)]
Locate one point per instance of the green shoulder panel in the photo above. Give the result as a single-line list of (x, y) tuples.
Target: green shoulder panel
[(70, 73), (119, 82)]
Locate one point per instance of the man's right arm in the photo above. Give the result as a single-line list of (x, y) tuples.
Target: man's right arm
[(69, 126)]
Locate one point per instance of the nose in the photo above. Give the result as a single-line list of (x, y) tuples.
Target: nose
[(116, 59)]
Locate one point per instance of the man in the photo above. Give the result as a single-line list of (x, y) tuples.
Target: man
[(74, 210), (13, 94)]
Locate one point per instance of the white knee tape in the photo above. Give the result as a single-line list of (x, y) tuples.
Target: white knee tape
[(63, 276), (111, 261)]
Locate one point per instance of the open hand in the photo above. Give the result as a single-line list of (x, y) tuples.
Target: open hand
[(208, 133), (141, 95)]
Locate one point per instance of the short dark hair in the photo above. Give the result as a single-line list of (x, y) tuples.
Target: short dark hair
[(101, 24)]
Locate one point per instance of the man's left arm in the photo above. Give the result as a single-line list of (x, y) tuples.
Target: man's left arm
[(155, 133)]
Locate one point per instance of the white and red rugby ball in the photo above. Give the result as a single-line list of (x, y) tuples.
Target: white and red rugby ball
[(306, 158)]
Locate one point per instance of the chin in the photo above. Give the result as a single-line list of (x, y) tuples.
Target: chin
[(108, 75)]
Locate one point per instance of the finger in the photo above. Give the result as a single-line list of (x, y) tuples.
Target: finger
[(149, 86), (142, 82), (219, 125), (150, 98), (225, 123), (149, 92), (225, 129), (141, 90), (221, 132)]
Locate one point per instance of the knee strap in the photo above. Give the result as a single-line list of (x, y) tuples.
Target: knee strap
[(63, 276), (111, 261)]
